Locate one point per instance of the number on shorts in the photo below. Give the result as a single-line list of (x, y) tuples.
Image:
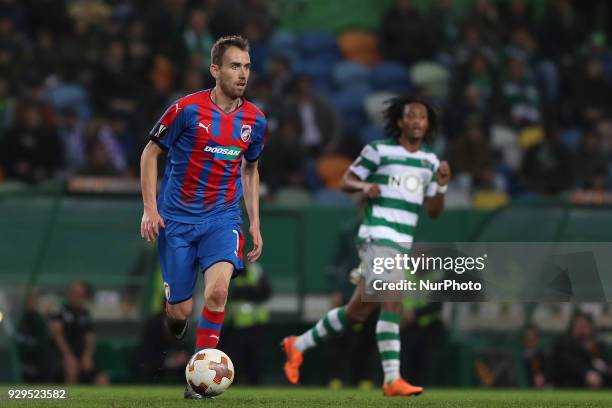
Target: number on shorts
[(237, 241)]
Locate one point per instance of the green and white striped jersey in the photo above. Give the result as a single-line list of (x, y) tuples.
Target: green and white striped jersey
[(405, 179)]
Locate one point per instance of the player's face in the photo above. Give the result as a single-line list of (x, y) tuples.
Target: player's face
[(233, 74), (414, 122), (78, 295)]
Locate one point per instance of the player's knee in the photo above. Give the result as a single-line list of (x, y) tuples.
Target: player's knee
[(357, 314), (180, 311), (217, 296)]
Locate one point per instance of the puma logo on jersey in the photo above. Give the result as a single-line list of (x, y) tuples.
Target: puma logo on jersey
[(200, 124)]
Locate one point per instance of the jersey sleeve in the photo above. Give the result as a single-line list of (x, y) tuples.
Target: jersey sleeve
[(169, 127), (367, 162), (259, 136), (432, 186)]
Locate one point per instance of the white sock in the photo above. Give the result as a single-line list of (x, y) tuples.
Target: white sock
[(332, 323), (389, 345)]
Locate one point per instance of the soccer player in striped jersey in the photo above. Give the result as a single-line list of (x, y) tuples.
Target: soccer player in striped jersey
[(398, 176), (213, 139)]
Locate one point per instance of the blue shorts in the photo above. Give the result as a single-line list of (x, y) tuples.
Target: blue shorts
[(187, 249)]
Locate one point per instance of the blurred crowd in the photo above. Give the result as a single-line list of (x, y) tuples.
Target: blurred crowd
[(525, 97), (575, 359)]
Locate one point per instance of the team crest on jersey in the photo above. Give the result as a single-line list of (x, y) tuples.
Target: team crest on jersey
[(245, 133), (410, 182)]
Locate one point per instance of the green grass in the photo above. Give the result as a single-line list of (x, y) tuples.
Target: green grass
[(304, 397)]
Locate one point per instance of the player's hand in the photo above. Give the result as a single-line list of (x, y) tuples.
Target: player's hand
[(371, 190), (443, 174), (149, 226), (257, 244), (593, 379)]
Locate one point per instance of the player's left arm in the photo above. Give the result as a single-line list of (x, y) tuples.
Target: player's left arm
[(250, 185), (434, 204)]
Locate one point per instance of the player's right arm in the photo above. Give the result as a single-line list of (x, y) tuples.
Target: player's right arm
[(355, 178), (164, 134), (353, 184), (151, 220)]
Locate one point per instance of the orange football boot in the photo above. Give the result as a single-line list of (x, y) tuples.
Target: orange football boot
[(294, 359), (401, 387)]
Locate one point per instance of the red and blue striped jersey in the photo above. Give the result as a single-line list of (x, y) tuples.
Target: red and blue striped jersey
[(205, 147)]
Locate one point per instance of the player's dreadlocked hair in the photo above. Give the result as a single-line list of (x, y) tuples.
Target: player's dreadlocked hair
[(395, 111), (223, 43)]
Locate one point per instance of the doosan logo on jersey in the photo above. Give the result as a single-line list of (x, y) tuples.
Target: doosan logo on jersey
[(222, 150)]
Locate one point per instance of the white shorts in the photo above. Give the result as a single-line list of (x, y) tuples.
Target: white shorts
[(372, 267)]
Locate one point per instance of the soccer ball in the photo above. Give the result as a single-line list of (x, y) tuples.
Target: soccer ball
[(209, 372)]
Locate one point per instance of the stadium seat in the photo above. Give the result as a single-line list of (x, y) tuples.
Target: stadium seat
[(370, 133), (315, 69), (315, 44), (391, 76), (331, 168), (281, 41), (359, 46), (374, 105), (259, 53), (331, 198), (348, 74), (349, 102)]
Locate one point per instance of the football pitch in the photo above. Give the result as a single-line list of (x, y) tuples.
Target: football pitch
[(304, 397)]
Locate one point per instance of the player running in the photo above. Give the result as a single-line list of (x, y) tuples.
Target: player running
[(213, 139), (397, 175)]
